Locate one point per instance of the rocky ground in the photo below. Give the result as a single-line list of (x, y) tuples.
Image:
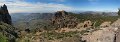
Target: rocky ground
[(110, 33), (106, 34), (117, 37)]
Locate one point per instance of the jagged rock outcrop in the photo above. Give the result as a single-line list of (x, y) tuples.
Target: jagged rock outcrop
[(86, 24), (63, 19), (4, 15), (5, 24)]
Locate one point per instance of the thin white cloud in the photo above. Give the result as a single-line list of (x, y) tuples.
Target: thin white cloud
[(22, 6), (59, 0), (93, 1)]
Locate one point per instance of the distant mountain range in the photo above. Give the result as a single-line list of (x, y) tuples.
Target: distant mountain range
[(30, 16), (47, 16), (101, 13)]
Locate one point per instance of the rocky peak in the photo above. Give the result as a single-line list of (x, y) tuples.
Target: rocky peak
[(61, 13), (4, 15), (4, 7), (63, 19)]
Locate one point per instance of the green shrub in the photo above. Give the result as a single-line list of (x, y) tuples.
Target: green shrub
[(3, 38), (54, 35)]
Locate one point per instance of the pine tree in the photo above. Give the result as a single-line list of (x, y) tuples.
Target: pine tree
[(119, 11)]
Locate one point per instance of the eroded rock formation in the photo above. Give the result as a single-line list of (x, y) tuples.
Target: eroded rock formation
[(63, 19), (5, 24), (4, 15)]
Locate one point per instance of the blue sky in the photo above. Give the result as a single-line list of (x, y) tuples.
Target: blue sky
[(16, 6)]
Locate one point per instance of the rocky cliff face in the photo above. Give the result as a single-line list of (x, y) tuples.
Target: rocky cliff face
[(4, 15), (5, 24), (63, 19)]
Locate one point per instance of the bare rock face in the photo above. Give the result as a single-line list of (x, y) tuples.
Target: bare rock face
[(106, 34), (63, 19), (4, 15)]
